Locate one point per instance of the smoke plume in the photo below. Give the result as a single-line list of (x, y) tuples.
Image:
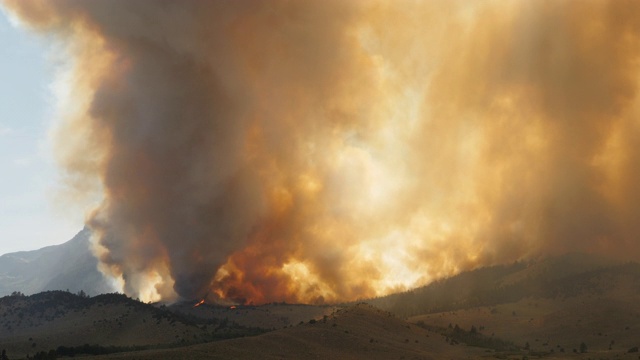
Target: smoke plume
[(316, 151)]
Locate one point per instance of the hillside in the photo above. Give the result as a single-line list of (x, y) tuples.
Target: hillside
[(564, 275), (554, 308), (563, 307), (69, 266), (608, 326), (356, 332), (269, 316), (49, 320)]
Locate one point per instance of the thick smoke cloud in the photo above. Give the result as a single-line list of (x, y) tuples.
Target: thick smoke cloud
[(321, 151)]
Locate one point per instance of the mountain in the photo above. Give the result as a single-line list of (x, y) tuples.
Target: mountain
[(69, 266)]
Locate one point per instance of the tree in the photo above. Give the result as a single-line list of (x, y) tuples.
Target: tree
[(4, 355), (583, 347)]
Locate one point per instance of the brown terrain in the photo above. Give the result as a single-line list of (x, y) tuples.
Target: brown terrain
[(573, 306), (269, 317), (357, 332), (47, 320)]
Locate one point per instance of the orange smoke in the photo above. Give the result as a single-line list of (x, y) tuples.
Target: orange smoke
[(315, 151)]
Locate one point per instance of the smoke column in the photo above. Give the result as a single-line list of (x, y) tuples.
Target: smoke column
[(314, 151)]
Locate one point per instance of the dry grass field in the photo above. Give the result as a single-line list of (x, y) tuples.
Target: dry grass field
[(270, 316), (608, 327), (47, 320), (357, 332)]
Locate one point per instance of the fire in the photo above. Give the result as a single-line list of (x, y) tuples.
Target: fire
[(307, 152), (232, 307), (199, 303)]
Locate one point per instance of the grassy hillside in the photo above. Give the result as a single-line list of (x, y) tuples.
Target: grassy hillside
[(48, 320), (566, 275), (571, 306), (357, 332), (269, 316), (598, 308)]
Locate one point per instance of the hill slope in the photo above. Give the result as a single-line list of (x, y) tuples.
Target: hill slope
[(48, 320), (542, 309), (599, 308), (562, 275), (357, 332), (69, 266)]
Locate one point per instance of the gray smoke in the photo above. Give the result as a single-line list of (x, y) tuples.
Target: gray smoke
[(323, 151)]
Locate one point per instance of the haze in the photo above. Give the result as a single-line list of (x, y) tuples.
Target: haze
[(315, 151)]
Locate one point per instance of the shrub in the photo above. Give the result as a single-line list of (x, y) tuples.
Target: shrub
[(583, 347)]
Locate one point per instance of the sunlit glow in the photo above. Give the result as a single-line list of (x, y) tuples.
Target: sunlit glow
[(317, 152), (148, 289)]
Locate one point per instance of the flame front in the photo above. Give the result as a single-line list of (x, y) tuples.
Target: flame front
[(199, 303), (314, 151)]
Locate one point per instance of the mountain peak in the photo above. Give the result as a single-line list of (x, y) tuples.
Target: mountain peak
[(68, 266)]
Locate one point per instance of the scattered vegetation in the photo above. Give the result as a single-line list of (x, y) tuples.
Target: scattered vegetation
[(46, 355), (40, 309), (455, 335)]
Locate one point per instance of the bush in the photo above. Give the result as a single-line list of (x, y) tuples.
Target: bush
[(633, 350)]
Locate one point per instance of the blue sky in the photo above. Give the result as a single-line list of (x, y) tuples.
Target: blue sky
[(29, 217)]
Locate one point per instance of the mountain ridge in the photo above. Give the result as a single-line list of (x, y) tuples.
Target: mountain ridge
[(68, 266)]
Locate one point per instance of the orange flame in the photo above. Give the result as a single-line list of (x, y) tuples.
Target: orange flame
[(199, 303), (341, 158)]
